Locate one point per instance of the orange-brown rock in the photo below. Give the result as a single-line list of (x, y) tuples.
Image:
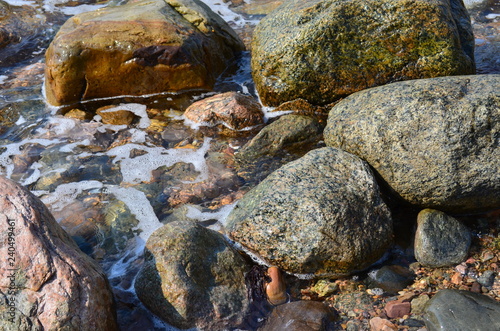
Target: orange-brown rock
[(276, 289), (231, 109), (142, 47), (49, 283)]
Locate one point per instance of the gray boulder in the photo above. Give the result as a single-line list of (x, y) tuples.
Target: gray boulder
[(321, 215), (462, 311), (324, 50), (435, 142), (191, 277), (440, 240)]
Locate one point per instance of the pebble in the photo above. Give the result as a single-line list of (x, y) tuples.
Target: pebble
[(276, 289), (487, 278), (395, 309)]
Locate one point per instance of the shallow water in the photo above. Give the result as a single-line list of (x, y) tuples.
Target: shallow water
[(111, 186)]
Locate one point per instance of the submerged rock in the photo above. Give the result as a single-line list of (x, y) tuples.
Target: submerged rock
[(462, 310), (440, 240), (321, 214), (51, 283), (325, 50), (142, 47), (435, 142), (192, 278)]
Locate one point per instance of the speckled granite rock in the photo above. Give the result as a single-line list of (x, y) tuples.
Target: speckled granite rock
[(440, 240), (321, 214), (435, 142), (192, 278), (324, 50)]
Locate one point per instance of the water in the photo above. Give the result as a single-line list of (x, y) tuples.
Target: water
[(111, 186)]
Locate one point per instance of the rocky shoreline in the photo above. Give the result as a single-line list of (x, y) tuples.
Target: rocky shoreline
[(374, 199)]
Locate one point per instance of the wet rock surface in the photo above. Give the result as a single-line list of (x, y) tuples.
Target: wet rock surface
[(325, 50), (163, 46), (440, 240), (192, 278), (52, 284), (461, 310), (300, 218), (433, 141)]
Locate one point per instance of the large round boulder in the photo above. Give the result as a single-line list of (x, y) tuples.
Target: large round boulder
[(324, 50), (142, 47), (320, 215), (191, 277), (46, 281), (435, 142)]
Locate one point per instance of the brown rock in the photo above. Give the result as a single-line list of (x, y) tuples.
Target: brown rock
[(276, 289), (141, 47), (457, 278), (381, 324), (54, 285), (395, 309), (115, 117), (234, 110)]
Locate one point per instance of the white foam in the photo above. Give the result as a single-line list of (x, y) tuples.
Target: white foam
[(35, 175), (139, 205), (78, 9), (219, 215), (68, 148), (20, 2), (3, 78), (65, 194), (61, 125), (492, 16), (138, 169), (21, 120)]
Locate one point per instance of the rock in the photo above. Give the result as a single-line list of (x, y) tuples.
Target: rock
[(141, 47), (325, 50), (191, 277), (487, 278), (418, 304), (286, 132), (440, 240), (397, 309), (434, 142), (234, 110), (111, 115), (51, 284), (391, 279), (462, 310), (381, 324), (299, 316), (276, 288), (300, 218), (324, 288)]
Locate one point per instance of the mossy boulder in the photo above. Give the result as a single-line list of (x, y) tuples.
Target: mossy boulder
[(325, 50), (142, 47)]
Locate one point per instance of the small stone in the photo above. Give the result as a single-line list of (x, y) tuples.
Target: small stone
[(276, 289), (487, 278), (457, 278), (395, 309), (380, 324), (325, 288), (77, 114), (476, 287), (487, 255), (418, 304), (462, 268), (115, 116)]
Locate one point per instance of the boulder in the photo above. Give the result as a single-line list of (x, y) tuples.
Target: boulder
[(320, 215), (48, 283), (191, 277), (233, 110), (325, 50), (462, 310), (142, 47), (440, 240), (434, 142)]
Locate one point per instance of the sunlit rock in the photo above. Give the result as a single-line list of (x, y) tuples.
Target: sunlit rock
[(142, 47), (325, 50), (192, 278), (51, 283), (320, 215), (435, 142)]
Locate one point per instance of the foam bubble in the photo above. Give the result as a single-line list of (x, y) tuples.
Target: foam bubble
[(219, 215), (65, 194), (138, 169), (139, 205)]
